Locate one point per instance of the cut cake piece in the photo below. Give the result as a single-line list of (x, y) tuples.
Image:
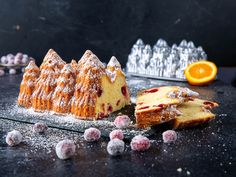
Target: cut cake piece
[(193, 113), (158, 105)]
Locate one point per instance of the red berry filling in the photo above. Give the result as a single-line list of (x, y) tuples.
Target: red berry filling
[(208, 103), (99, 92), (153, 90), (161, 105), (144, 107), (103, 107), (124, 91), (109, 109), (117, 103), (140, 103), (101, 115)]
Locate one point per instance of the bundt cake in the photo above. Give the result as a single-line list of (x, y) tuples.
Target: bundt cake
[(64, 90), (98, 90), (87, 89), (158, 105), (47, 81), (194, 112), (28, 84)]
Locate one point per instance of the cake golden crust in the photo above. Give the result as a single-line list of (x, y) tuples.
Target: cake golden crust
[(87, 89), (28, 84)]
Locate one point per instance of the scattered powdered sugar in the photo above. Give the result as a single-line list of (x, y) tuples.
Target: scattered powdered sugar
[(69, 122), (182, 93), (111, 75), (115, 147), (114, 63)]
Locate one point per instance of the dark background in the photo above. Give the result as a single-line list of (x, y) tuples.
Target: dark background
[(111, 27)]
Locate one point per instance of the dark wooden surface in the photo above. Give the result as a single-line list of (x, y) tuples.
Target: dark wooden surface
[(208, 150)]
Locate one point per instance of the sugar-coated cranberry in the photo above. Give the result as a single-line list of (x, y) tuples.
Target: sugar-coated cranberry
[(2, 72), (12, 71), (14, 138), (116, 134), (25, 59), (4, 60), (124, 91), (92, 134), (10, 61), (115, 147), (140, 143), (169, 136), (40, 127), (122, 121), (19, 55), (65, 149), (17, 61)]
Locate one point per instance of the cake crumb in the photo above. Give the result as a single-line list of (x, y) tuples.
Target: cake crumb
[(188, 173), (179, 170)]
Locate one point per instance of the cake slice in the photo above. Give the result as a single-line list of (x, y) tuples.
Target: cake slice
[(158, 105), (193, 113)]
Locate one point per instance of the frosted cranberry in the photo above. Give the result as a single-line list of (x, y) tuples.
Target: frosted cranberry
[(152, 90), (124, 91), (122, 121), (12, 71), (40, 127), (116, 134), (144, 107), (115, 147), (99, 92), (109, 109), (25, 59), (92, 134), (140, 143), (2, 72), (65, 149), (10, 61), (10, 56), (4, 60), (169, 136), (19, 55), (14, 138), (17, 61)]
